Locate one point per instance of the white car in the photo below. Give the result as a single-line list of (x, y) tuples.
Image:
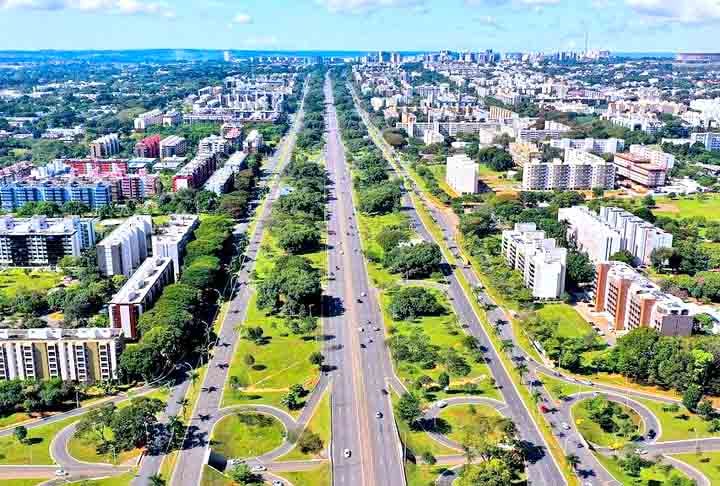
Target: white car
[(347, 453), (565, 426), (258, 468), (277, 482), (442, 404), (60, 472)]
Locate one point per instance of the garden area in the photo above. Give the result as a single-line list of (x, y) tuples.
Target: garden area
[(458, 420), (634, 470), (606, 423), (247, 434)]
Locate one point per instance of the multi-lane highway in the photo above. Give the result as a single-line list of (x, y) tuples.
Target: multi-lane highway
[(188, 470), (362, 420)]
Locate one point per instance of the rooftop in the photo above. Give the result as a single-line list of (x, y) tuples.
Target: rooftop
[(48, 333), (135, 289)]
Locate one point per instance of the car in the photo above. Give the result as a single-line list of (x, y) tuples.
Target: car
[(363, 294), (361, 329), (376, 328), (258, 468), (651, 434), (580, 445), (277, 482), (565, 426), (641, 452), (378, 414), (442, 404), (347, 453), (544, 409)]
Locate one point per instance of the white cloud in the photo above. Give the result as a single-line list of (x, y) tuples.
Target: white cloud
[(122, 7), (357, 7), (242, 18), (488, 21), (677, 11), (259, 42), (501, 3)]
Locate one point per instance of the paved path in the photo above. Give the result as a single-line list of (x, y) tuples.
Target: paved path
[(192, 457)]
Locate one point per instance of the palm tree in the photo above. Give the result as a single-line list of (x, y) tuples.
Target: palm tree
[(156, 480), (536, 396), (506, 345), (573, 460), (194, 376), (184, 403), (522, 369)]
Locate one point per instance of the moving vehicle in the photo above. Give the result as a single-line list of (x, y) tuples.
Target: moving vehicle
[(378, 414), (442, 404), (347, 453)]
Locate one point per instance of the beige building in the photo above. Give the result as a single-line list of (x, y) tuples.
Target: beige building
[(82, 355)]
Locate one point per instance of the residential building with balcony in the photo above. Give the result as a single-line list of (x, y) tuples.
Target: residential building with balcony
[(171, 238), (580, 170), (126, 247)]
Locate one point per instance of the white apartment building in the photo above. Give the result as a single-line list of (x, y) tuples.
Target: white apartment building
[(43, 241), (139, 294), (541, 262), (80, 355), (148, 119), (711, 140), (596, 145), (579, 170), (214, 144), (462, 174), (171, 238), (654, 154), (126, 247), (631, 301), (431, 137), (172, 146), (254, 142), (614, 229)]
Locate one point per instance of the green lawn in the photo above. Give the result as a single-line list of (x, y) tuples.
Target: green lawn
[(461, 417), (653, 475), (84, 449), (571, 322), (120, 480), (38, 452), (679, 425), (422, 474), (14, 280), (592, 432), (320, 425), (708, 207), (439, 171), (556, 387), (320, 476), (23, 482), (707, 463), (445, 332), (234, 438), (213, 477), (281, 361), (419, 441)]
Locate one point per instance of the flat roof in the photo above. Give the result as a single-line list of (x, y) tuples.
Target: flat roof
[(140, 283)]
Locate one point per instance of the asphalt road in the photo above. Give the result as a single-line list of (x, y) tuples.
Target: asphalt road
[(193, 455), (357, 359), (541, 466)]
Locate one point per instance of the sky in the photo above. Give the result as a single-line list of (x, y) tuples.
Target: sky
[(364, 25)]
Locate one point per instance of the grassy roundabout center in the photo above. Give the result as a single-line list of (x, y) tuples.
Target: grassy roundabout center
[(247, 434)]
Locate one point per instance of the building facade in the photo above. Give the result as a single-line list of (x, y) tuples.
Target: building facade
[(105, 146), (632, 301), (173, 146), (139, 293), (541, 262), (79, 355), (462, 174), (93, 194), (580, 170), (126, 247), (171, 238), (644, 166)]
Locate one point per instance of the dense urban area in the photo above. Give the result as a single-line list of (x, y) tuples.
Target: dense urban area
[(466, 268)]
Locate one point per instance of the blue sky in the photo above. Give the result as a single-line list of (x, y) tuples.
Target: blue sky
[(505, 25)]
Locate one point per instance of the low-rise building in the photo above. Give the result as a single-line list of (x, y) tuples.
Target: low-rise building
[(632, 301), (172, 146), (462, 174), (148, 119), (580, 170), (171, 238), (711, 140), (139, 293), (93, 194), (80, 355), (542, 263), (105, 146), (126, 247)]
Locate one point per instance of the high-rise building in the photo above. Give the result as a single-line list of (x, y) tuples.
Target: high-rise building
[(462, 174), (595, 145), (42, 241), (105, 146), (710, 140), (148, 147), (126, 247), (171, 238), (541, 262), (194, 174), (632, 301), (17, 194), (644, 166), (80, 355), (139, 293), (148, 119), (613, 230)]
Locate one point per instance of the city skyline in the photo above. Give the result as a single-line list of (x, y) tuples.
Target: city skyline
[(360, 25)]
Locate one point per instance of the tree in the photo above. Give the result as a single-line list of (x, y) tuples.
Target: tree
[(414, 261), (692, 396), (297, 237), (408, 408), (494, 472), (444, 380), (20, 433), (380, 198), (479, 223), (573, 460), (705, 409), (241, 474), (317, 359), (390, 237), (249, 359), (522, 369), (156, 480), (497, 159), (254, 334), (623, 256), (310, 442), (411, 302), (428, 458)]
